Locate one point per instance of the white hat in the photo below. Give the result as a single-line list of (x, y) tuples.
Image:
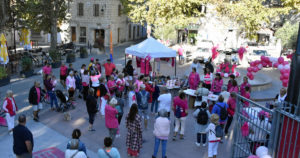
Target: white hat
[(143, 86), (113, 101)]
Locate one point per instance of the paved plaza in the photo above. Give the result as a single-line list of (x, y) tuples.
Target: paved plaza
[(52, 133)]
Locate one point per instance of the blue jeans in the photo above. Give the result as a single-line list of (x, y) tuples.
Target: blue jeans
[(163, 146), (52, 98), (155, 105)]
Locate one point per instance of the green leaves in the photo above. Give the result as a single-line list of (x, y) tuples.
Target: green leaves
[(288, 35)]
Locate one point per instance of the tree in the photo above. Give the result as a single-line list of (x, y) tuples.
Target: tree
[(165, 32), (288, 35), (42, 15), (250, 15), (5, 15)]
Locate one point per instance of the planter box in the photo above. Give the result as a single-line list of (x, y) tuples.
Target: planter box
[(56, 64), (83, 55), (70, 59), (4, 81), (27, 73)]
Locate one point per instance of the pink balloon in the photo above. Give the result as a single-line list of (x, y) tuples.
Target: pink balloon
[(276, 65), (257, 62), (286, 75), (281, 77), (270, 64), (237, 74), (286, 63), (280, 60), (282, 71), (262, 58), (255, 69), (284, 84), (222, 74), (267, 59), (218, 70), (264, 64), (249, 69), (251, 77)]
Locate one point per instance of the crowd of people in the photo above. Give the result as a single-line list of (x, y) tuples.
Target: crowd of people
[(109, 94)]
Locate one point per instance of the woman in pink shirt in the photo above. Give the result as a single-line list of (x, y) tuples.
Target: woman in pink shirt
[(234, 87), (111, 84), (229, 84), (194, 79), (244, 85), (246, 95), (217, 84), (231, 110), (138, 83), (121, 83), (47, 70), (63, 74), (180, 109), (111, 121)]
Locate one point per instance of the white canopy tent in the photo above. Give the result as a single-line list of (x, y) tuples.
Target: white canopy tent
[(153, 48)]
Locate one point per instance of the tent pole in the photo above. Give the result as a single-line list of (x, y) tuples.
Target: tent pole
[(175, 66)]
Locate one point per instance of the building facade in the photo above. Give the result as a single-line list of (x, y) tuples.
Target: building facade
[(94, 19)]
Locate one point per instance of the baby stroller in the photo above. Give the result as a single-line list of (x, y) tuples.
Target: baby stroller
[(65, 104)]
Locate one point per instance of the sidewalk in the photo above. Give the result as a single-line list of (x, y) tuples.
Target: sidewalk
[(44, 138)]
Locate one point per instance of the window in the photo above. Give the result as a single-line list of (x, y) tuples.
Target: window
[(138, 31), (129, 31), (82, 38), (119, 10), (96, 9), (80, 9)]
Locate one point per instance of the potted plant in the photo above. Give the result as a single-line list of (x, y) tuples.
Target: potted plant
[(70, 57), (4, 77), (27, 69), (83, 52), (55, 56)]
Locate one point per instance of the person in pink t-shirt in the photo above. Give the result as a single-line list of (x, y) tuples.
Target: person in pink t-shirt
[(109, 67), (194, 79), (234, 87), (217, 84), (111, 84), (63, 74), (180, 109), (138, 83), (231, 110), (246, 95), (180, 53), (47, 70), (111, 121)]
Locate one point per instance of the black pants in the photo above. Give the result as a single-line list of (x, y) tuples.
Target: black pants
[(71, 93), (85, 92), (120, 118), (229, 120), (208, 86), (92, 118), (107, 78), (203, 136), (95, 91)]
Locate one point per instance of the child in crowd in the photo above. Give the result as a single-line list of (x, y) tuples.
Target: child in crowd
[(213, 141), (120, 84), (131, 96), (83, 67), (98, 65), (53, 82), (246, 95), (202, 116)]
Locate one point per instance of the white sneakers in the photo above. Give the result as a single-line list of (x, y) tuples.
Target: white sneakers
[(198, 144)]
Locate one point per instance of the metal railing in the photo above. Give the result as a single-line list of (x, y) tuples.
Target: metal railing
[(277, 129)]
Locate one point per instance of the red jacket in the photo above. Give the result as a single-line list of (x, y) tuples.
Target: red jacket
[(149, 88), (9, 107)]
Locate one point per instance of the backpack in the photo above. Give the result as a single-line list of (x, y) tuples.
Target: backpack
[(144, 100), (202, 117), (178, 112), (223, 112), (219, 131)]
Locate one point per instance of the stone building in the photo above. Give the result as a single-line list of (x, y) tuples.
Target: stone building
[(91, 19)]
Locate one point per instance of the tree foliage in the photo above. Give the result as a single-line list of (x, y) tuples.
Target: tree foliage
[(288, 35), (165, 32), (42, 15), (250, 15), (5, 15)]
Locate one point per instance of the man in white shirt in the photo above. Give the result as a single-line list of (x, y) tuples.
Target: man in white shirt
[(165, 101)]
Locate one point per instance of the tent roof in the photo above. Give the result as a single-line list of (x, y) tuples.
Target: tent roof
[(150, 47)]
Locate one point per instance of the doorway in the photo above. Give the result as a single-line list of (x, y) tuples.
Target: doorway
[(73, 32), (133, 32), (119, 35)]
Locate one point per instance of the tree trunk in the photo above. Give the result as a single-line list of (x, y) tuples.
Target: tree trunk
[(3, 13), (53, 29)]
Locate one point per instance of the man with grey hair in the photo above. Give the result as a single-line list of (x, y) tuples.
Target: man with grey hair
[(35, 95), (142, 100), (23, 140)]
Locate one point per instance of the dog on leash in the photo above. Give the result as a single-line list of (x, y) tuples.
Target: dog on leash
[(67, 116)]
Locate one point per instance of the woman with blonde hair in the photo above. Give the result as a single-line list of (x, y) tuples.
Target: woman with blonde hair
[(213, 141), (10, 108)]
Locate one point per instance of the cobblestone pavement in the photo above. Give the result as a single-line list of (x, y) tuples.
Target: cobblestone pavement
[(52, 131)]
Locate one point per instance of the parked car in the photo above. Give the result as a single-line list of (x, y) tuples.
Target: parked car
[(256, 54)]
